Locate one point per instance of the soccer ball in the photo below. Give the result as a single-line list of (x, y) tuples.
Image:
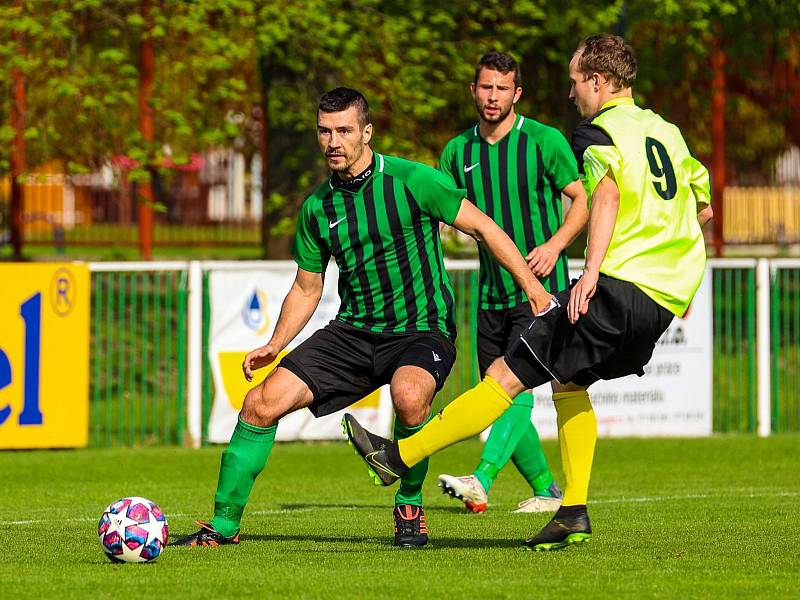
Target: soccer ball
[(133, 530)]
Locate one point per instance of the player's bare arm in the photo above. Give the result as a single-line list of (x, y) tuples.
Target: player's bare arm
[(704, 214), (485, 231), (297, 308), (542, 259), (602, 218), (699, 182)]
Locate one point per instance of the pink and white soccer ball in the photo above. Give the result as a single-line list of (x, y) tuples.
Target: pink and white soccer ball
[(133, 530)]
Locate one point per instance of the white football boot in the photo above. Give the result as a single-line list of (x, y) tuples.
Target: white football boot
[(467, 489)]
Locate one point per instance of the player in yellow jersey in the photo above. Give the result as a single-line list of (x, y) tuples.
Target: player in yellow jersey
[(645, 259)]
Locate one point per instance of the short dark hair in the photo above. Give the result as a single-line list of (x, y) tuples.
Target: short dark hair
[(342, 98), (610, 56), (501, 62)]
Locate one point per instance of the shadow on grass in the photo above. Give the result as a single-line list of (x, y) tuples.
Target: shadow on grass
[(302, 507), (436, 543)]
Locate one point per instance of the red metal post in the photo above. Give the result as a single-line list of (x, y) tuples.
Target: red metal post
[(718, 98), (146, 75), (18, 145)]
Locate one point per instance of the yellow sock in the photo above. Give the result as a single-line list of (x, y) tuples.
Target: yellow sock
[(577, 434), (468, 415)]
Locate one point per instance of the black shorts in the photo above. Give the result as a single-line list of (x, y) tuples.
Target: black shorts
[(341, 364), (615, 338), (498, 329)]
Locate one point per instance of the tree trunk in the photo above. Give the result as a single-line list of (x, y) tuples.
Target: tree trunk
[(18, 145), (146, 71), (718, 99)]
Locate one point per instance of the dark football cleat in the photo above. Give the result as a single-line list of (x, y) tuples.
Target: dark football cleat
[(375, 451), (410, 528), (570, 525), (207, 536)]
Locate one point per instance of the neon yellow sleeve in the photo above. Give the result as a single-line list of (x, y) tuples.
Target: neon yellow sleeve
[(700, 181), (597, 161)]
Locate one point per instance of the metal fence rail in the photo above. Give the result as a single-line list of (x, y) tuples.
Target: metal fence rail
[(92, 210), (734, 380), (785, 350), (151, 381), (138, 354)]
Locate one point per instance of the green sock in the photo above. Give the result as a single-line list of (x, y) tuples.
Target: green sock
[(531, 462), (242, 461), (410, 491), (503, 438)]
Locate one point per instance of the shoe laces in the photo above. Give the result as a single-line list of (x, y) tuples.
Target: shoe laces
[(409, 520)]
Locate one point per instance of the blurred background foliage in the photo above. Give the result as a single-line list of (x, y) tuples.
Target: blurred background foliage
[(227, 70)]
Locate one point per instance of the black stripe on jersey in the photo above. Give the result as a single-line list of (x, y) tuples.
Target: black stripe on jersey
[(379, 254), (540, 181), (449, 301), (586, 134), (336, 250), (505, 204), (314, 224), (456, 172), (561, 266), (358, 255), (486, 178), (403, 263), (424, 259), (555, 196), (522, 187), (543, 214), (467, 177), (468, 181)]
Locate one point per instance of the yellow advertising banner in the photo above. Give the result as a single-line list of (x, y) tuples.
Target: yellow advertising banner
[(245, 305), (44, 355)]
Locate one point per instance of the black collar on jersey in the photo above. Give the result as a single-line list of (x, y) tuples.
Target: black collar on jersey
[(588, 134), (353, 185), (591, 118)]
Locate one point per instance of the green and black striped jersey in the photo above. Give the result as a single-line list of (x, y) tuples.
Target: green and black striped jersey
[(517, 181), (384, 237)]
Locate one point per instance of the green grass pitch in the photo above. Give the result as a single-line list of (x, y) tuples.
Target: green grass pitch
[(672, 518)]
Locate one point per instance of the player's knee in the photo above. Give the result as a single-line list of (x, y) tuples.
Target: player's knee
[(505, 377), (566, 387), (412, 415), (411, 412), (257, 408)]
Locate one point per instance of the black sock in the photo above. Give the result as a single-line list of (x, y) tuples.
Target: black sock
[(571, 511), (393, 454)]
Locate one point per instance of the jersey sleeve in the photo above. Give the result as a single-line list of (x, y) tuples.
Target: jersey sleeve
[(308, 250), (436, 194), (699, 181), (597, 161), (559, 160), (447, 163), (595, 154)]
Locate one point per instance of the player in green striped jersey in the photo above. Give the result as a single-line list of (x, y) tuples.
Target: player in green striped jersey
[(378, 217), (514, 169)]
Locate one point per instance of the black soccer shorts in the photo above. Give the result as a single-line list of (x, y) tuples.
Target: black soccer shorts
[(498, 329), (615, 338), (341, 364)]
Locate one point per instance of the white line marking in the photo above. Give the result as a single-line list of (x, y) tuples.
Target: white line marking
[(282, 511)]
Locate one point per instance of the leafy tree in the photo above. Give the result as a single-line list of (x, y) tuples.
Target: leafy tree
[(248, 74)]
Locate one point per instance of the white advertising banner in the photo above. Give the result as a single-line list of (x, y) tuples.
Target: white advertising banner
[(244, 309), (673, 398)]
